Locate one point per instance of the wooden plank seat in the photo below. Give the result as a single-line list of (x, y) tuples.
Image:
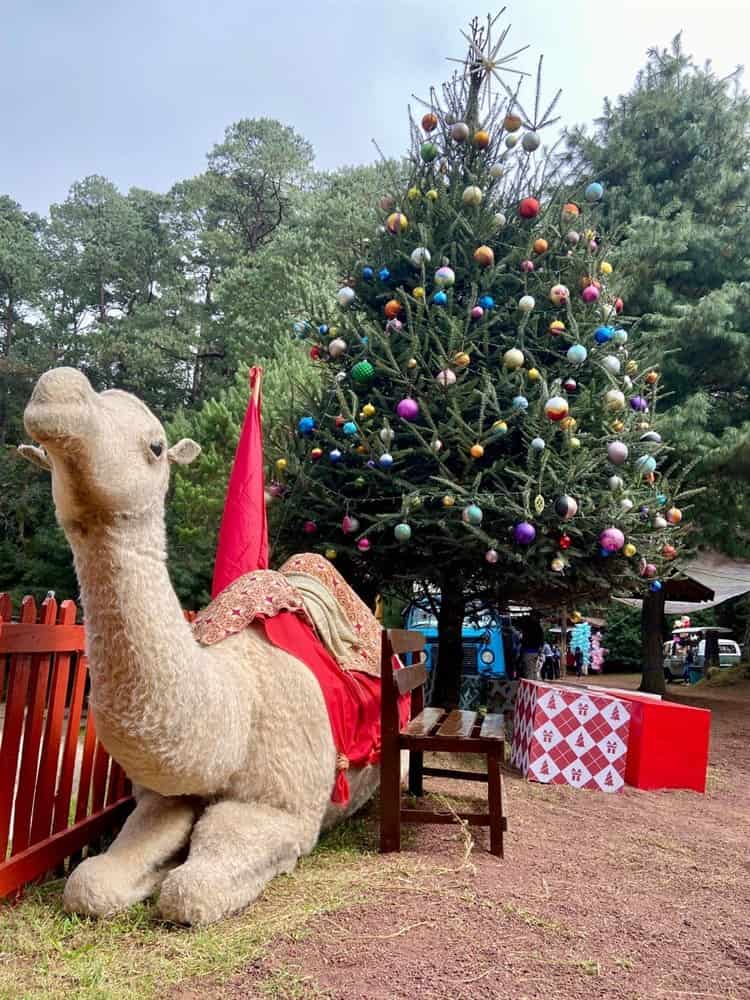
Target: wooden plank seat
[(432, 730)]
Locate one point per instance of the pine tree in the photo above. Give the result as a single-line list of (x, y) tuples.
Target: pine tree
[(675, 155), (485, 423)]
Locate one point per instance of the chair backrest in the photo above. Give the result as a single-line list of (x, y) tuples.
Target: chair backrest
[(409, 677)]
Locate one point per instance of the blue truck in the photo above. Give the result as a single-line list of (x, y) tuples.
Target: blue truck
[(483, 653)]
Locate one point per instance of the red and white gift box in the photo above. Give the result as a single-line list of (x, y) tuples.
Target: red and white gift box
[(569, 736)]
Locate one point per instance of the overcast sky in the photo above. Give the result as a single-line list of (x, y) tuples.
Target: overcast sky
[(139, 90)]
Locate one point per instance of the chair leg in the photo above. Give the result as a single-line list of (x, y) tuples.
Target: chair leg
[(390, 799), (416, 783), (495, 804)]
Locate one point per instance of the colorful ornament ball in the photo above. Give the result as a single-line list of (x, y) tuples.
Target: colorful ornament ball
[(528, 208), (524, 533), (408, 409)]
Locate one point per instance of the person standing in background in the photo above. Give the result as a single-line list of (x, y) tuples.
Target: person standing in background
[(532, 637)]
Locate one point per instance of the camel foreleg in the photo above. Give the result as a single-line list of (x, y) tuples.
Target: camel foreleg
[(235, 850), (138, 859)]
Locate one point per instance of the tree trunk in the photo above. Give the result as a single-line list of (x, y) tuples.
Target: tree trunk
[(652, 643), (563, 640), (711, 658), (447, 688)]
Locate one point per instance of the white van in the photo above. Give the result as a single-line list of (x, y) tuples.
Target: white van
[(674, 656), (729, 653)]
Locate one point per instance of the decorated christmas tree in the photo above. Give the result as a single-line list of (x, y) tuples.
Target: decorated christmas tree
[(485, 424)]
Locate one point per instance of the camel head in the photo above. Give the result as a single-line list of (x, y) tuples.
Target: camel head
[(106, 451)]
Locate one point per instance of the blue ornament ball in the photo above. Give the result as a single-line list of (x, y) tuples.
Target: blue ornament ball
[(367, 273), (306, 425), (577, 354), (385, 461), (661, 498), (603, 334), (487, 302), (323, 329), (656, 586), (384, 274), (472, 514), (621, 336), (349, 428), (645, 464), (520, 403), (440, 298), (594, 191), (538, 444), (334, 455)]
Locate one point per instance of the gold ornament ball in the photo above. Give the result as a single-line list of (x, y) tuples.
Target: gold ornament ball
[(472, 195), (481, 139), (512, 123), (448, 500), (361, 449), (575, 442), (413, 194), (396, 223), (432, 195), (568, 423), (484, 256), (411, 363), (605, 267), (559, 295), (556, 327), (631, 368), (368, 410), (462, 360), (418, 292), (281, 464), (629, 550), (513, 358), (331, 553), (541, 246), (533, 375), (477, 451), (618, 426), (500, 427)]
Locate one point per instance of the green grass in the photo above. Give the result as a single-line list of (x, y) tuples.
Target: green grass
[(46, 954)]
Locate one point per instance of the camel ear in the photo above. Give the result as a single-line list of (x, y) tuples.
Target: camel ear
[(184, 452), (37, 456)]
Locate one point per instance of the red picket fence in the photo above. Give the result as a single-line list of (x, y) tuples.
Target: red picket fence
[(59, 789)]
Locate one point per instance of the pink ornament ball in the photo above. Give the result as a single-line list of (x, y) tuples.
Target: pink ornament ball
[(309, 527), (648, 570), (408, 409), (364, 545), (477, 312), (590, 293), (491, 556), (527, 266), (617, 452), (524, 533), (394, 326), (612, 539), (349, 525)]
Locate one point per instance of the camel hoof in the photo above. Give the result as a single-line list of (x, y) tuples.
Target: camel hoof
[(188, 899), (100, 887)]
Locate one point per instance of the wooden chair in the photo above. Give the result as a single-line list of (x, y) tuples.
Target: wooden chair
[(431, 729)]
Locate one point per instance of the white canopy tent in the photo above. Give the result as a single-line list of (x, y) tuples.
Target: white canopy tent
[(726, 577)]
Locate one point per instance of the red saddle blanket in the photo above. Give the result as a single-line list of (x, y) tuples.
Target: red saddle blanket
[(352, 697)]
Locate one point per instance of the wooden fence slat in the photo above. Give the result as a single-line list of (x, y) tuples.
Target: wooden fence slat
[(41, 858), (32, 738), (6, 613), (70, 749), (44, 801), (15, 707), (99, 784), (87, 767), (31, 637)]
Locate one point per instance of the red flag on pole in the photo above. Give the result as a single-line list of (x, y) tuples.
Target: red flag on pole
[(243, 536)]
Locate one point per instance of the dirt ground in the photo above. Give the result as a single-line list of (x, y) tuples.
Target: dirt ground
[(627, 896)]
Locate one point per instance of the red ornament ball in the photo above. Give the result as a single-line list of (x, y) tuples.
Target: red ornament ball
[(309, 527), (314, 353), (564, 541), (429, 122), (529, 208)]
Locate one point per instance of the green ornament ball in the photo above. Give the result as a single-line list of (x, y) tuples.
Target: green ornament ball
[(428, 152), (362, 371), (402, 532)]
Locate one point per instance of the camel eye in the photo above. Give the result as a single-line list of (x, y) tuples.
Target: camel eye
[(156, 448)]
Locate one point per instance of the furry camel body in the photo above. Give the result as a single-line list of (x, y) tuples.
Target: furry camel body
[(229, 746)]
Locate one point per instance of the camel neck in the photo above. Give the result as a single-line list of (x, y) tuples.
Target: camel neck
[(137, 634)]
